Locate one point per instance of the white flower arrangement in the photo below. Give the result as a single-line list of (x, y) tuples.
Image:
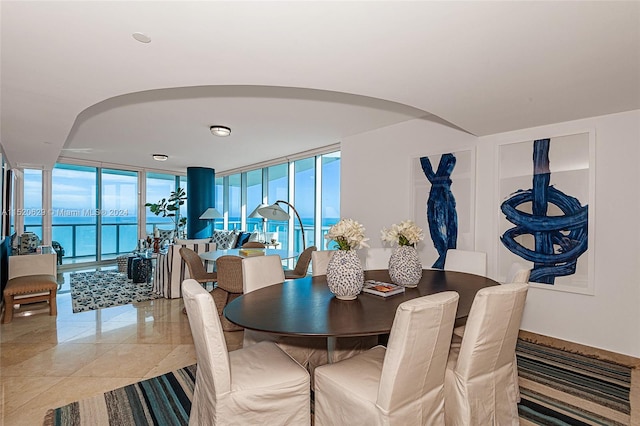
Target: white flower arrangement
[(407, 233), (348, 234)]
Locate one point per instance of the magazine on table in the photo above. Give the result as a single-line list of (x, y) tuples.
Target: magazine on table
[(380, 288)]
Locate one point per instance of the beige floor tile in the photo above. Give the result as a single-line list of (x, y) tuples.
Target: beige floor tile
[(15, 353), (180, 357), (161, 332), (59, 361), (20, 390), (126, 360)]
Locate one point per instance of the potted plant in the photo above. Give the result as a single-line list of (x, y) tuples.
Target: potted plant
[(170, 207)]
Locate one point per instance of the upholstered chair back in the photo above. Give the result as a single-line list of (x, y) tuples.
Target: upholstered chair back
[(416, 358), (302, 265), (214, 374), (319, 262), (518, 273), (471, 262), (261, 271), (377, 258), (479, 385)]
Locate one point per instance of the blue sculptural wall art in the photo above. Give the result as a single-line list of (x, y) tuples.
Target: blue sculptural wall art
[(443, 203), (545, 190)]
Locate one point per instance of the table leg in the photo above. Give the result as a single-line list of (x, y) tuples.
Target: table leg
[(331, 346)]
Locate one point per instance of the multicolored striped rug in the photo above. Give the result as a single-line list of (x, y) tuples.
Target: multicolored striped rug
[(162, 400), (561, 383)]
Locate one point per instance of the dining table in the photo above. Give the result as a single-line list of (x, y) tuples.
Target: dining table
[(306, 306)]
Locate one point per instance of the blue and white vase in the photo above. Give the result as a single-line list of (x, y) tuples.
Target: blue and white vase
[(345, 275), (405, 268)]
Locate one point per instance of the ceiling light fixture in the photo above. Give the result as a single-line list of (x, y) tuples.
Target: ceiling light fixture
[(221, 131), (160, 157), (142, 38)]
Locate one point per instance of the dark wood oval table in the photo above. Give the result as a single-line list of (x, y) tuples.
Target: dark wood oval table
[(306, 306)]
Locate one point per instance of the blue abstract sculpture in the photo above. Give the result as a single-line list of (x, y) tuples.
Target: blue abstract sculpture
[(568, 233), (441, 206)]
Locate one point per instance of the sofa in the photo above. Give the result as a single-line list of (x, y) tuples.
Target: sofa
[(171, 269)]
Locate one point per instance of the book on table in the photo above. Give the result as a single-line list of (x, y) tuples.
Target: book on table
[(380, 288), (248, 252)]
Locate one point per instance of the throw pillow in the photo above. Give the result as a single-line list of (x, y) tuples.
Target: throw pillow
[(242, 238), (223, 239), (255, 236)]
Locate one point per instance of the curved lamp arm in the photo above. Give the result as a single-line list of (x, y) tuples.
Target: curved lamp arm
[(276, 212)]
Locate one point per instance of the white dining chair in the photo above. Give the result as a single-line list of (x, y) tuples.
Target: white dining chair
[(377, 258), (518, 273), (319, 262), (479, 382), (262, 271), (259, 384), (471, 262), (401, 384)]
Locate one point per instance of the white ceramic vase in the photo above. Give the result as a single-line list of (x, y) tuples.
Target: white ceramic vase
[(405, 268), (345, 275)]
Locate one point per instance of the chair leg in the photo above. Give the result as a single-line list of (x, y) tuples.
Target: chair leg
[(53, 307), (8, 309)]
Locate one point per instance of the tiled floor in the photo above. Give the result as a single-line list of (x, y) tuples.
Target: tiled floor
[(47, 362)]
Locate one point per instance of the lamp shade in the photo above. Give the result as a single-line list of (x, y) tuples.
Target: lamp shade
[(273, 212), (210, 213), (256, 213)]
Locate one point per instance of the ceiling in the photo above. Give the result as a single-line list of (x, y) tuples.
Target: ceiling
[(289, 77)]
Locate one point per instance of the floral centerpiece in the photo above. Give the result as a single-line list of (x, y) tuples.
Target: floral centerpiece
[(407, 233), (405, 267), (348, 234), (345, 275)]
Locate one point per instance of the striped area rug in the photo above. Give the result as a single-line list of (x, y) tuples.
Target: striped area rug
[(162, 400), (562, 383)]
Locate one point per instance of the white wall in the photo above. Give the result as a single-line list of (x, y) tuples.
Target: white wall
[(376, 190)]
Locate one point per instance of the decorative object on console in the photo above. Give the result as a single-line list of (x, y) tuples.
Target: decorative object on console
[(171, 208), (405, 267), (345, 275), (210, 215), (275, 212)]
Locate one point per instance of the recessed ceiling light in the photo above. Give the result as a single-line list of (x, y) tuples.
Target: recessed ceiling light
[(142, 38), (221, 131), (160, 157)]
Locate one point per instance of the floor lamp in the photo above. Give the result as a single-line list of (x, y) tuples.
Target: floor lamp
[(211, 214), (275, 212)]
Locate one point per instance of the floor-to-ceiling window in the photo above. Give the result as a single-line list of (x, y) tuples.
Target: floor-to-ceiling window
[(159, 186), (32, 213), (304, 201), (235, 202), (311, 184), (118, 212), (219, 204), (278, 189), (254, 199), (330, 194), (74, 207)]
